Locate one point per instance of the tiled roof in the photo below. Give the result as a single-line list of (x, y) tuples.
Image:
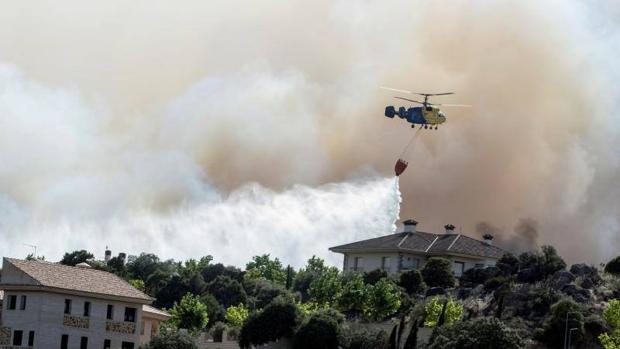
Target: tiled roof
[(87, 280), (425, 242), (149, 309)]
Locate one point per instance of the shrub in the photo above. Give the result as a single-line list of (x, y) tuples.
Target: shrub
[(227, 291), (537, 266), (372, 277), (553, 330), (383, 298), (171, 340), (508, 264), (362, 338), (612, 316), (354, 297), (412, 282), (236, 315), (190, 313), (326, 286), (452, 312), (493, 284), (217, 331), (437, 272), (322, 330), (481, 333), (279, 319), (613, 266)]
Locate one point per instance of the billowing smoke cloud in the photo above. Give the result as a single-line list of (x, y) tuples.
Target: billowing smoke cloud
[(523, 238), (115, 108)]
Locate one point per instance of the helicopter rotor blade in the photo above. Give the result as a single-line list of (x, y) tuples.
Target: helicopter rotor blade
[(434, 94), (395, 89), (412, 100), (455, 105)]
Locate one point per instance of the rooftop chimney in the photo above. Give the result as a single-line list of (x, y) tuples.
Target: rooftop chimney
[(449, 228), (488, 239), (108, 254), (122, 256), (409, 226)]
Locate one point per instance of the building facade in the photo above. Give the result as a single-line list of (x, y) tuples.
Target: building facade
[(410, 249), (49, 306)]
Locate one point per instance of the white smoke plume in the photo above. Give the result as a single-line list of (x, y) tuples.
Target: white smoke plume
[(127, 122)]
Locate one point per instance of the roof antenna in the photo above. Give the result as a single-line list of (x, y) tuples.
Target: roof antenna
[(32, 246)]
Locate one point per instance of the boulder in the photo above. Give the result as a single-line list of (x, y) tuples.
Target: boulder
[(577, 293), (582, 269), (434, 291), (562, 278), (528, 275)]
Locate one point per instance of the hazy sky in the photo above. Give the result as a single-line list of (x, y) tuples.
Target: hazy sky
[(212, 127)]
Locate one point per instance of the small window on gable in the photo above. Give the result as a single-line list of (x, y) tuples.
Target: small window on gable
[(68, 306), (22, 305), (12, 303)]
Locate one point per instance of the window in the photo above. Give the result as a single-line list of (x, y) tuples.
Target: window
[(130, 314), (110, 314), (385, 263), (68, 306), (17, 337), (31, 338), (84, 343), (458, 268), (22, 305), (107, 344), (64, 341), (127, 345), (12, 302), (86, 308), (357, 264)]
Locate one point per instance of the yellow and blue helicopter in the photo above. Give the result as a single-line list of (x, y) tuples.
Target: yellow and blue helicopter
[(427, 116)]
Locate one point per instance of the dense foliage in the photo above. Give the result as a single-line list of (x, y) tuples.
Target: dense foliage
[(412, 282), (452, 312), (612, 316), (171, 340), (279, 319), (190, 313), (437, 272), (481, 333), (76, 257), (613, 266), (236, 315), (321, 330), (553, 332)]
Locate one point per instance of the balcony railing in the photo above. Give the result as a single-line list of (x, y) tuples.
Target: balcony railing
[(121, 327), (76, 321), (5, 335), (13, 347)]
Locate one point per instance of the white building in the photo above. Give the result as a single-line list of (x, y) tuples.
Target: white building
[(409, 249), (53, 306)]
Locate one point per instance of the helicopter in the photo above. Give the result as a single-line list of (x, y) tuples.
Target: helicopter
[(428, 115)]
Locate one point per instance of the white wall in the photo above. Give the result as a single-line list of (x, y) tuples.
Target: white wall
[(45, 313)]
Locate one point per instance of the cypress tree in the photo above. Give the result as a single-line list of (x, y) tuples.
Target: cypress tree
[(412, 339)]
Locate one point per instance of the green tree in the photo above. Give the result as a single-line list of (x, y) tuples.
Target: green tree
[(612, 316), (452, 310), (480, 333), (137, 283), (76, 257), (278, 319), (227, 291), (322, 330), (263, 266), (215, 310), (326, 287), (412, 282), (384, 299), (32, 257), (190, 313), (171, 340), (437, 272), (354, 295), (305, 276), (554, 326), (373, 276), (613, 266), (117, 266), (143, 266), (236, 315)]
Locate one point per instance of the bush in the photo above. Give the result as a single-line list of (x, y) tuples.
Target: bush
[(190, 313), (493, 284), (217, 331), (383, 299), (372, 277), (553, 330), (537, 266), (227, 291), (279, 319), (171, 340), (437, 272), (412, 282), (354, 297), (322, 330), (508, 264), (236, 315), (481, 333), (613, 266), (362, 338), (452, 312), (612, 316)]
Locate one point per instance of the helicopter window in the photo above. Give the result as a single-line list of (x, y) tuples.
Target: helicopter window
[(429, 108)]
